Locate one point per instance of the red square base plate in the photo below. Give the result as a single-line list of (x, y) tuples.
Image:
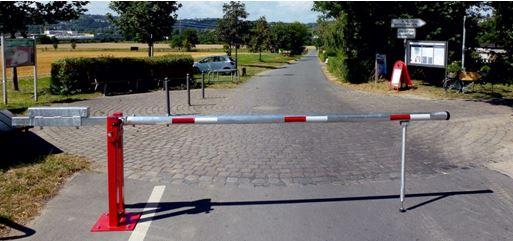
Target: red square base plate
[(127, 223)]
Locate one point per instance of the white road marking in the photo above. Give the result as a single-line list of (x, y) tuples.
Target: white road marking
[(142, 228)]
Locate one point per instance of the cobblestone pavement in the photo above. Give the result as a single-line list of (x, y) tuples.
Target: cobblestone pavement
[(294, 154)]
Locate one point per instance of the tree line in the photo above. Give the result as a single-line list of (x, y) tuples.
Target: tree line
[(235, 31), (149, 22), (351, 33)]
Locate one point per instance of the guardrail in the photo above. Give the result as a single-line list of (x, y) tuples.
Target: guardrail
[(116, 219)]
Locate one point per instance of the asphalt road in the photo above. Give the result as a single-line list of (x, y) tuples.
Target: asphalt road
[(295, 182)]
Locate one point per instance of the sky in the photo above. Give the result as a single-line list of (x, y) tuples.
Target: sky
[(274, 11)]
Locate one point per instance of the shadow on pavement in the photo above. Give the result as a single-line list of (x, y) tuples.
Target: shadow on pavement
[(205, 205), (23, 147), (496, 101), (25, 230)]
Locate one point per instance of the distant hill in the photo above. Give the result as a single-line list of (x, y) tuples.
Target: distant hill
[(100, 25), (85, 24), (198, 24)]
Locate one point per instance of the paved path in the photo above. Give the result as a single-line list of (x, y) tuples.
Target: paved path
[(267, 155), (252, 182)]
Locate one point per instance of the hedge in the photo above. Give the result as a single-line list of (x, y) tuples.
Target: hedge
[(73, 75)]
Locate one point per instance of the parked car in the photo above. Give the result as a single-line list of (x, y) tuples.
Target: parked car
[(214, 63)]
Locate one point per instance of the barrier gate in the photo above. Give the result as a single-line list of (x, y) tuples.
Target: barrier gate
[(117, 219)]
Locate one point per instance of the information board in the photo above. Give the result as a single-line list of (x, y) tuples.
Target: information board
[(19, 52), (381, 64), (427, 53)]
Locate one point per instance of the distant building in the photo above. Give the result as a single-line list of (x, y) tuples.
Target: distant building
[(68, 34), (488, 52)]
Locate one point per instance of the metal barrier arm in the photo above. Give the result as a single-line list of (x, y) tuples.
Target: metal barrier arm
[(265, 119), (119, 220), (67, 117)]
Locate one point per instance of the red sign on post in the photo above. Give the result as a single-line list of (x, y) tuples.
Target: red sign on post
[(400, 76)]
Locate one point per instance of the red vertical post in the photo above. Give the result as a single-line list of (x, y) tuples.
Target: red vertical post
[(116, 219), (119, 175)]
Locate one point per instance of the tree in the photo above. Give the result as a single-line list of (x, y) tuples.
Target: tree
[(365, 30), (232, 28), (73, 44), (177, 42), (289, 36), (503, 17), (261, 38), (208, 37), (145, 22), (190, 38), (15, 17), (55, 42)]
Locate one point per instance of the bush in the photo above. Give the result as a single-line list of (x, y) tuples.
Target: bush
[(325, 53), (43, 39), (73, 75), (454, 67)]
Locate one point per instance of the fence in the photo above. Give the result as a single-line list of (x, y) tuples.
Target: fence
[(117, 219)]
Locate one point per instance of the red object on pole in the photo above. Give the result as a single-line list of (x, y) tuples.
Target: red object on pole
[(116, 219), (400, 76)]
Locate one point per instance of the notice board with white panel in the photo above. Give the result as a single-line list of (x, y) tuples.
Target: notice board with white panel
[(427, 53)]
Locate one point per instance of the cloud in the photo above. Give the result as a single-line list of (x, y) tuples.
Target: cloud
[(285, 11), (200, 9)]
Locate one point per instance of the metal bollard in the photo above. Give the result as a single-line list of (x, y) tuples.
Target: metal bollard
[(202, 85), (168, 101), (188, 90)]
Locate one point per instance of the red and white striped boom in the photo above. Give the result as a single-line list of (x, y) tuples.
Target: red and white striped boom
[(119, 220), (265, 119)]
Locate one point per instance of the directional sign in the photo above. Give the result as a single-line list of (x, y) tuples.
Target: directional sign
[(406, 33), (407, 23)]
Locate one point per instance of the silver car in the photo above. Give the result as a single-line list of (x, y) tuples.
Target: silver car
[(213, 63)]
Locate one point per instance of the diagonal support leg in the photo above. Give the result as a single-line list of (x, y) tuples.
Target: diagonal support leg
[(404, 125)]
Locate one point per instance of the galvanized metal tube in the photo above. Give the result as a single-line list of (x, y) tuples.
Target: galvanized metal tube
[(202, 85), (263, 119), (168, 101), (188, 90), (35, 70), (4, 72), (404, 125)]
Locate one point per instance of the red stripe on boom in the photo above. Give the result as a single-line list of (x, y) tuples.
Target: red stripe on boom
[(400, 117), (182, 120), (295, 119)]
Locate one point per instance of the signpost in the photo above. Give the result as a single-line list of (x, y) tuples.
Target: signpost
[(406, 29), (406, 33), (17, 53), (4, 74), (407, 23)]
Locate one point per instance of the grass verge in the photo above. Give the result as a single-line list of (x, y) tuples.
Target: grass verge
[(19, 101), (253, 66), (25, 188), (427, 90)]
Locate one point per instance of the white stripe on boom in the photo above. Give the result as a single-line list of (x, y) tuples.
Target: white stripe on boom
[(316, 118), (204, 120), (420, 116)]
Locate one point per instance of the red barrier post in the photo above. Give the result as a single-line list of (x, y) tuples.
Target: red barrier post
[(116, 219)]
